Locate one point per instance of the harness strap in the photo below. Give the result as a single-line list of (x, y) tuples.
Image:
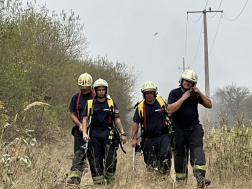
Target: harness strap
[(78, 101), (90, 104), (77, 105), (144, 117), (142, 111)]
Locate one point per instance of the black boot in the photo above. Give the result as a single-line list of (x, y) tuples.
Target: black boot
[(74, 181), (203, 182)]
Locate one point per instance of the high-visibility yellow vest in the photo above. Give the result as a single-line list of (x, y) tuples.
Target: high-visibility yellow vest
[(141, 111), (90, 107)]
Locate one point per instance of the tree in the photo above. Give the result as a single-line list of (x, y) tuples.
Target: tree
[(231, 97)]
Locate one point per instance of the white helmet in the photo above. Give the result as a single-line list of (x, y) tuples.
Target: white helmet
[(189, 75), (149, 86), (85, 80), (101, 82)]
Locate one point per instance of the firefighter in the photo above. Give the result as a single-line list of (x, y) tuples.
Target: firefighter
[(152, 115), (188, 132), (106, 133), (76, 108)]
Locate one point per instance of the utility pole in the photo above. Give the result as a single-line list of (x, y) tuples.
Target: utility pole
[(207, 86), (184, 68)]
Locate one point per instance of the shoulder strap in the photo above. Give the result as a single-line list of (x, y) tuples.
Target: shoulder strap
[(78, 101), (93, 94), (111, 104), (90, 108), (77, 105), (161, 102), (112, 112), (142, 114), (162, 108)]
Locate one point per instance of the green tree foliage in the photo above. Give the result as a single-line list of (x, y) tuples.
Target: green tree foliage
[(122, 81), (231, 97), (41, 57)]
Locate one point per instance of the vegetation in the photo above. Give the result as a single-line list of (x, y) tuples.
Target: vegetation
[(232, 100), (41, 56)]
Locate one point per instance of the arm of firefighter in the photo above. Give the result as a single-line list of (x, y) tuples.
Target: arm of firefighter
[(206, 102), (74, 119), (134, 133), (84, 128), (176, 105), (119, 126)]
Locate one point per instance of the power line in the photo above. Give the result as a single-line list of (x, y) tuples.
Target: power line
[(238, 15), (216, 12), (213, 42), (201, 70), (206, 3), (195, 20), (215, 34), (198, 46), (186, 36)]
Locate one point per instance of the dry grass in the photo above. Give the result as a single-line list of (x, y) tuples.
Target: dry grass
[(51, 165), (228, 154)]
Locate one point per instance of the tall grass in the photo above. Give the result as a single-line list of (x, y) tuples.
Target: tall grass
[(47, 164)]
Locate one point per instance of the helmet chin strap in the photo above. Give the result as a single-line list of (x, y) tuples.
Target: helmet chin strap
[(184, 88)]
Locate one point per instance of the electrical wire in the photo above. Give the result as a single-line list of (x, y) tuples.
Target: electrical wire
[(238, 15), (206, 3), (186, 36), (213, 41), (198, 45), (195, 20), (200, 16), (215, 34), (201, 70), (216, 12)]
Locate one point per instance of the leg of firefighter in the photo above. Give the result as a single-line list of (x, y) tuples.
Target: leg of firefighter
[(149, 152), (78, 160), (111, 161), (95, 158), (180, 156), (164, 154), (197, 156)]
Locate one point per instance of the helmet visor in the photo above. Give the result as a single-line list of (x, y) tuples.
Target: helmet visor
[(84, 87), (149, 89)]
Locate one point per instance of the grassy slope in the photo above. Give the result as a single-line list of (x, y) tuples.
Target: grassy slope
[(228, 158)]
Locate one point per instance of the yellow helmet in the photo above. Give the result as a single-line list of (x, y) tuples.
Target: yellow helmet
[(149, 86), (189, 75), (85, 80), (101, 82)]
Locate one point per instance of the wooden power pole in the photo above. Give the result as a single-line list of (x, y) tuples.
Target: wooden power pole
[(207, 86), (184, 68)]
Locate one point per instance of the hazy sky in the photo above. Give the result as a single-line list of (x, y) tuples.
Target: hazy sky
[(124, 31)]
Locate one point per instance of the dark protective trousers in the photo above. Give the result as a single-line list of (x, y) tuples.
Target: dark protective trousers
[(79, 153), (187, 139), (102, 155), (157, 152)]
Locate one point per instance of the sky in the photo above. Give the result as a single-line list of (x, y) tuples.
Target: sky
[(125, 31)]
